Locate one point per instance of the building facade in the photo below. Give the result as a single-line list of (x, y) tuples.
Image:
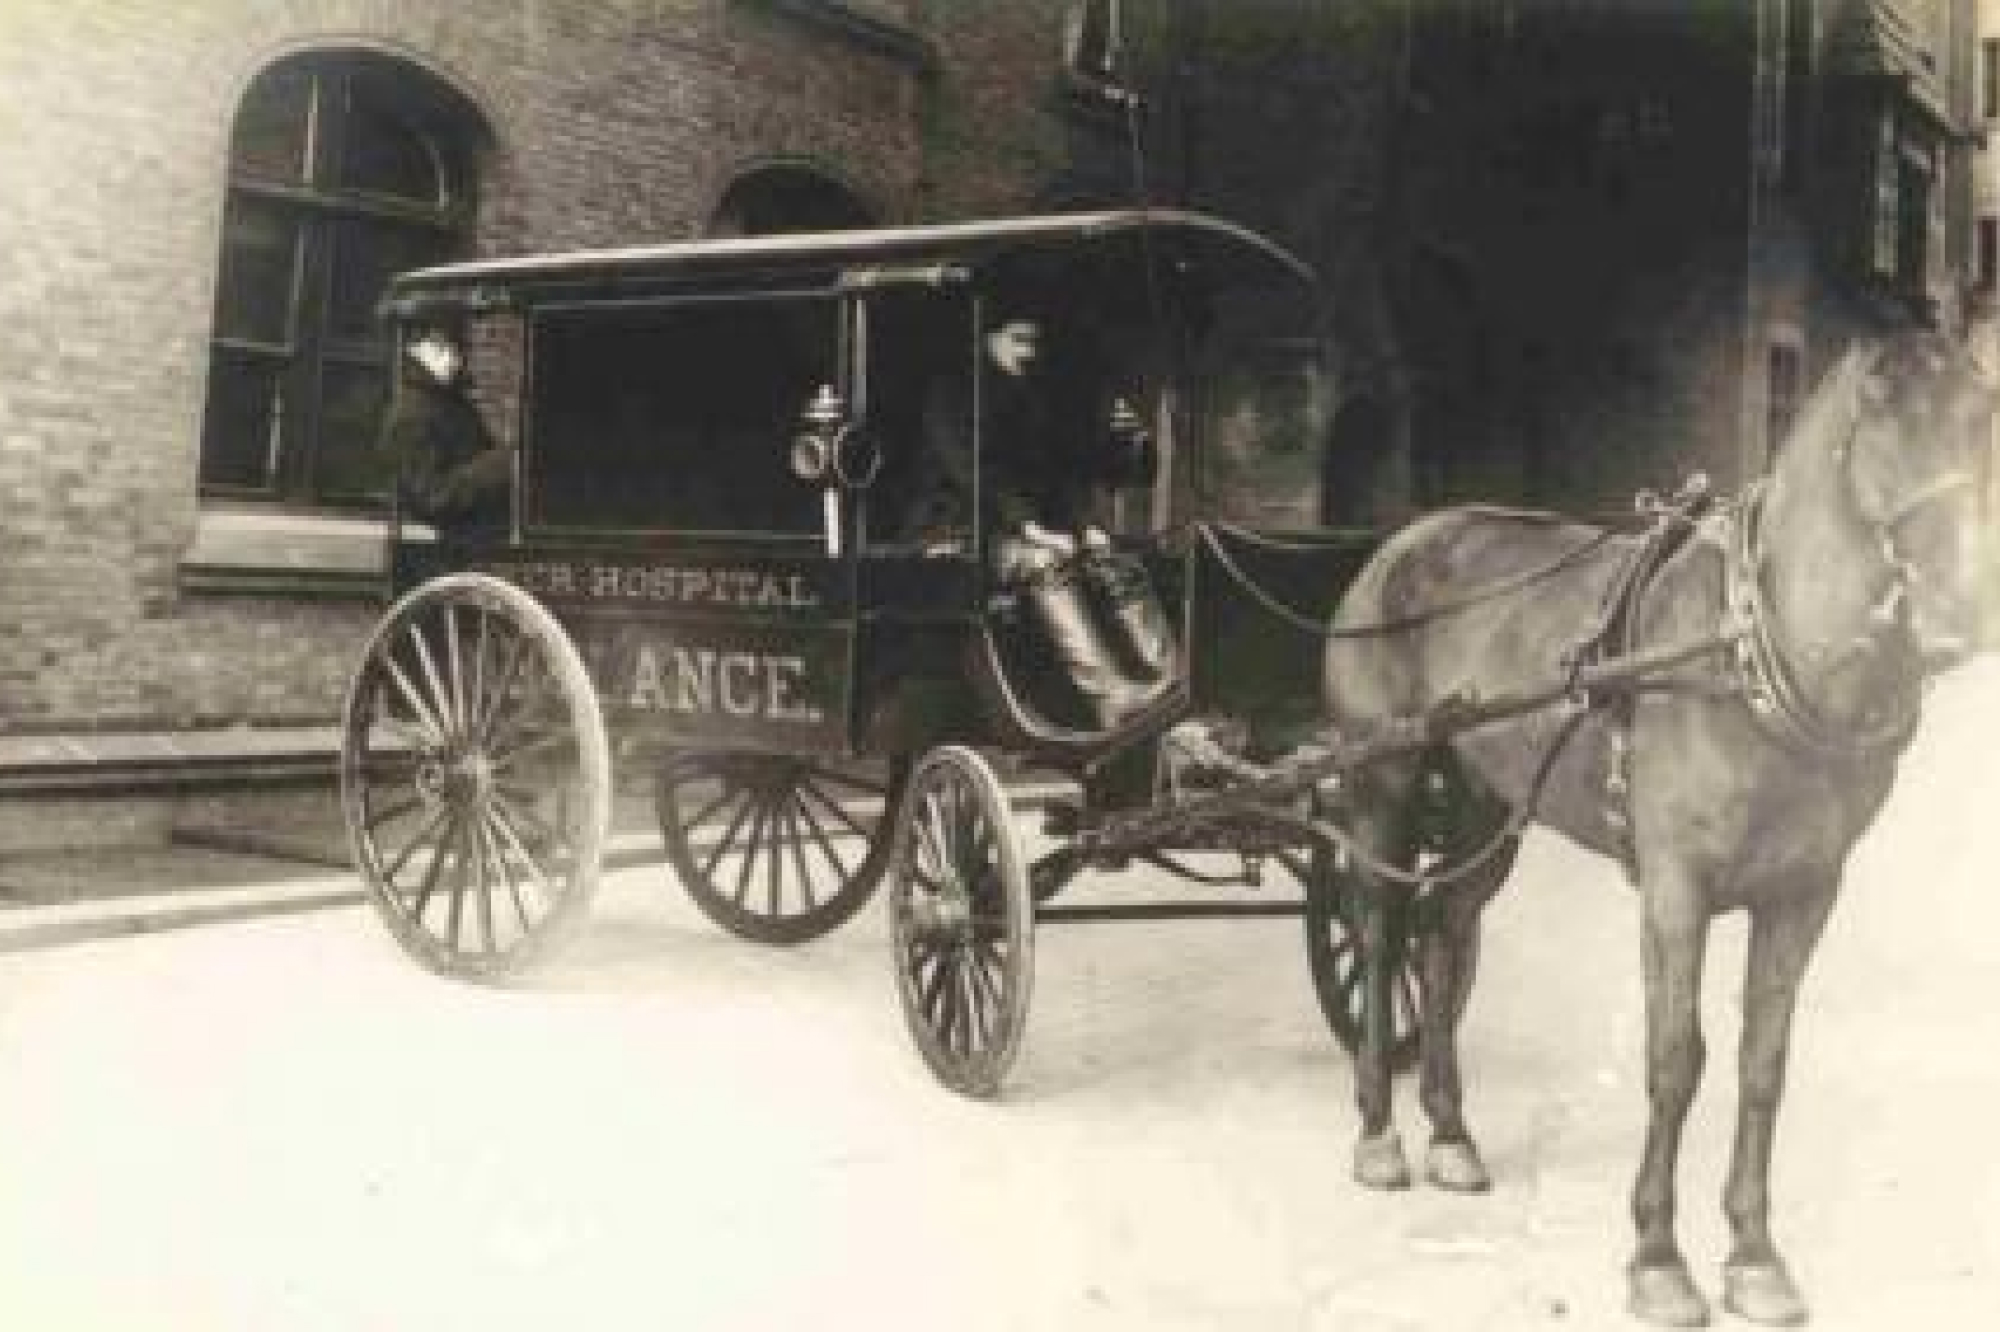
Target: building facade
[(203, 201), (1569, 249)]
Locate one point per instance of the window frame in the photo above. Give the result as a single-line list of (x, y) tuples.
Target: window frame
[(319, 209), (539, 455)]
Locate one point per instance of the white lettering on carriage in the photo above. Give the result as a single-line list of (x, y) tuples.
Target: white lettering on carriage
[(738, 684), (664, 584), (735, 703), (786, 672), (694, 679)]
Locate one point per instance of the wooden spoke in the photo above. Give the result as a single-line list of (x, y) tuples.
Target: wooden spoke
[(434, 733), (455, 661), (753, 846), (440, 695), (794, 815), (422, 837), (727, 840), (763, 848), (827, 850), (835, 808), (386, 814), (507, 757), (496, 702)]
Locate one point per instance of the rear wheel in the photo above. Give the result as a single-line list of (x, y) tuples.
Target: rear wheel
[(962, 921), (774, 848), (475, 777)]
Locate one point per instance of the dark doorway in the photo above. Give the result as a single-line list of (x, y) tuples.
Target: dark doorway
[(777, 199)]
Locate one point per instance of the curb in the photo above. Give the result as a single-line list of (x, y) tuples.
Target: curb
[(40, 925)]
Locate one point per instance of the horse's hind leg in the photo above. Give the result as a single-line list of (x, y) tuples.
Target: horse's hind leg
[(1782, 937), (1381, 827), (1448, 960)]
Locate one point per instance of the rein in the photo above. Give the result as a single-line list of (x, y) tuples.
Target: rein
[(1316, 627)]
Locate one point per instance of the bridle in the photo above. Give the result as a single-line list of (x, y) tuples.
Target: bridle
[(1770, 681), (1905, 574)]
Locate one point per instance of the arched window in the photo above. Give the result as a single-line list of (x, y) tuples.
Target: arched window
[(345, 167), (775, 199)]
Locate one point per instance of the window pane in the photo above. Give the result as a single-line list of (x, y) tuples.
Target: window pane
[(681, 418), (347, 466), (366, 255), (260, 249), (241, 426), (384, 152), (271, 127), (1264, 454)]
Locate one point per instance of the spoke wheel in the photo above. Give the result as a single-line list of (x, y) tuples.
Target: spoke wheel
[(475, 777), (774, 848), (962, 921), (1333, 952)]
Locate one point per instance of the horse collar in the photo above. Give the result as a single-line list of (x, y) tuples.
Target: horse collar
[(1769, 680)]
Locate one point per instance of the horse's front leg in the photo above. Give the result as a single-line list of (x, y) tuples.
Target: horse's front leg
[(1674, 941), (1783, 934)]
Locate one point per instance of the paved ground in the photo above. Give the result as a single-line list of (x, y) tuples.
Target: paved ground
[(279, 1123)]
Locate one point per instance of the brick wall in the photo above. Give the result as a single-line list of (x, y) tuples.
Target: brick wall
[(613, 122)]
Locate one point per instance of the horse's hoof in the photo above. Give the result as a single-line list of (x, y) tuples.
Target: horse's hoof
[(1456, 1166), (1762, 1293), (1379, 1163), (1666, 1296)]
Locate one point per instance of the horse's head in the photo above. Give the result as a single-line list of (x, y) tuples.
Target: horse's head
[(1920, 467)]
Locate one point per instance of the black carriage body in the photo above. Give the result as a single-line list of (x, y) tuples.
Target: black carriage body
[(655, 395), (691, 645)]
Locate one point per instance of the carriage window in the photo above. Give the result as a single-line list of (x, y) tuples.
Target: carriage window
[(345, 168), (677, 418), (1263, 441)]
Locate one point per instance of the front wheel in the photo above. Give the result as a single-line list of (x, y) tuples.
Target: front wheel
[(962, 921), (1333, 953)]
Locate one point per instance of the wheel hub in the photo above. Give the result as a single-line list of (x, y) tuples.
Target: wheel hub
[(460, 780), (942, 916)]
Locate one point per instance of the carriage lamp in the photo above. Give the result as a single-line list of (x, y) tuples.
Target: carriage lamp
[(820, 425), (816, 455)]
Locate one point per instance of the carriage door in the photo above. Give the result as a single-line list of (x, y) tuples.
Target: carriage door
[(912, 339)]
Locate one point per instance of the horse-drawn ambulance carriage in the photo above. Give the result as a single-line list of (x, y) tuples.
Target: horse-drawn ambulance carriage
[(707, 574), (708, 577)]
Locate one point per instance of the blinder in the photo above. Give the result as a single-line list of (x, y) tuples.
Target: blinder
[(1897, 543)]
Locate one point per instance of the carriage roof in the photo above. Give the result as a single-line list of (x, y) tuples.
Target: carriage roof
[(1144, 239)]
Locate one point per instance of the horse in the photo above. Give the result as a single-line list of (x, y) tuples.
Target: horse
[(1739, 779)]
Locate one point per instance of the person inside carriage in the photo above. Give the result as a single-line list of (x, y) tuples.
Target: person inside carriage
[(1053, 439), (449, 470)]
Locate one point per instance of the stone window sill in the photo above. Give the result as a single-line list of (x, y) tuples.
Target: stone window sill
[(264, 553)]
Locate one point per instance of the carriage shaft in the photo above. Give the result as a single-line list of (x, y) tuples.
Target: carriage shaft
[(1256, 798)]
